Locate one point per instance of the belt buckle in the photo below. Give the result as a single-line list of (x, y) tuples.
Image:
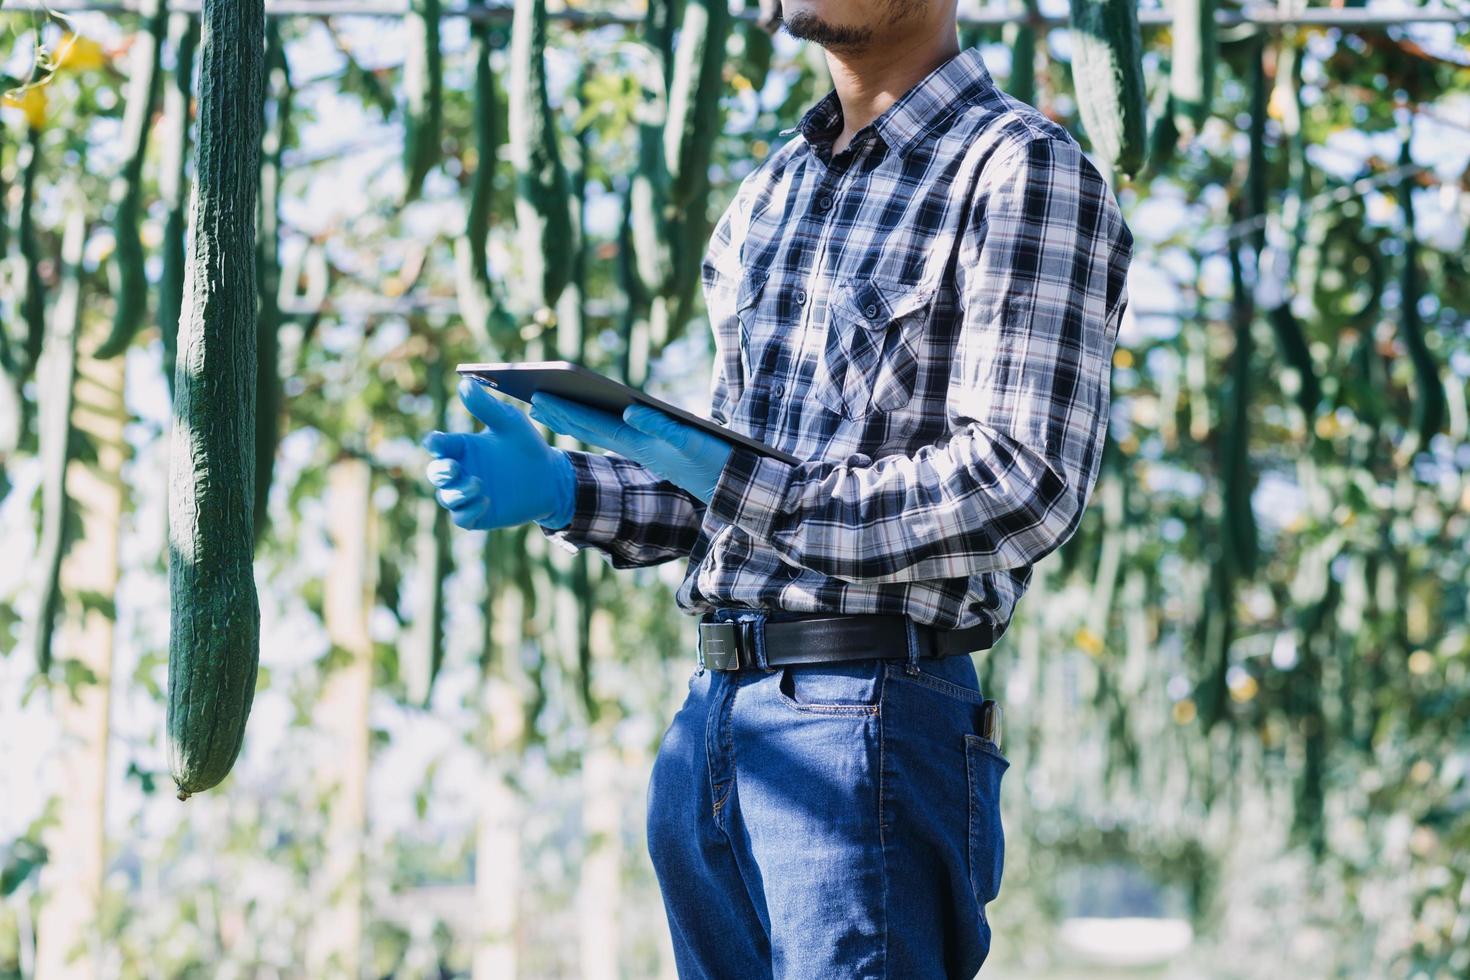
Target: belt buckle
[(719, 645)]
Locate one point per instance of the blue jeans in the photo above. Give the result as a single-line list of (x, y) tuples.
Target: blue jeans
[(828, 821)]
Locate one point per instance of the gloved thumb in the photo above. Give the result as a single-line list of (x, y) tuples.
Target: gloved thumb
[(447, 444), (483, 406)]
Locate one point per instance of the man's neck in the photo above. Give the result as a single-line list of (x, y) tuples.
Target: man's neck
[(871, 80)]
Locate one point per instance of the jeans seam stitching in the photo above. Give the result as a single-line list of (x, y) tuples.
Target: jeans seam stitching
[(970, 816), (948, 687), (882, 815), (803, 707)]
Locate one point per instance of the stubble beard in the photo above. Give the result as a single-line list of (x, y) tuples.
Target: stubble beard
[(806, 26)]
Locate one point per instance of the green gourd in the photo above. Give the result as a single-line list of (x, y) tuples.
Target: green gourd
[(33, 303), (1163, 136), (694, 100), (1192, 63), (543, 193), (694, 113), (268, 273), (1238, 484), (56, 375), (1429, 396), (172, 181), (424, 649), (1021, 37), (423, 83), (487, 114), (1292, 339), (214, 635), (755, 62), (129, 279), (1107, 76), (1256, 171)]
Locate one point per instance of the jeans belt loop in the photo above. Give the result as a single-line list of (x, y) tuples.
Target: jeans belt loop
[(753, 641), (911, 632)]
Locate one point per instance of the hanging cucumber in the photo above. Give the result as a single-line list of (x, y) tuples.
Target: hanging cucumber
[(1021, 37), (755, 61), (487, 111), (33, 304), (1255, 178), (1107, 76), (652, 249), (1240, 535), (184, 38), (1292, 339), (543, 195), (1163, 135), (274, 128), (1429, 397), (694, 113), (694, 101), (56, 374), (214, 635), (1192, 63), (424, 651), (423, 83), (129, 280)]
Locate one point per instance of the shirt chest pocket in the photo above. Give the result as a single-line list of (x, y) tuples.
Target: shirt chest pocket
[(869, 361), (732, 315)]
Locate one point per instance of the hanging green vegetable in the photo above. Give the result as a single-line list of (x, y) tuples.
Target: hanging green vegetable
[(1429, 397), (33, 303), (57, 372), (1292, 339), (1238, 483), (423, 83), (274, 127), (694, 113), (1163, 135), (129, 280), (214, 635), (1192, 63), (543, 195), (172, 181), (755, 62), (1107, 76), (694, 101), (653, 250), (423, 654), (1021, 37), (483, 40)]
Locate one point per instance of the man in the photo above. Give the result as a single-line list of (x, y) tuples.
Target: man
[(919, 296)]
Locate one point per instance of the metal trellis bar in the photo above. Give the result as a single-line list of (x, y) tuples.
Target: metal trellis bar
[(1358, 18)]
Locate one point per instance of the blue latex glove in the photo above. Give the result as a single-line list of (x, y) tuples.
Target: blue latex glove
[(670, 449), (507, 474)]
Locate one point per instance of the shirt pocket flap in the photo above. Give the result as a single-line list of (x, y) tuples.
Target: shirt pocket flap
[(875, 303), (750, 287)]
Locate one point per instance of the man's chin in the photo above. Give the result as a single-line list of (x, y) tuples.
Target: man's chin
[(806, 26)]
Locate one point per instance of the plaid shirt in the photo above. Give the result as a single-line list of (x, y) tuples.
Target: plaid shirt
[(927, 318)]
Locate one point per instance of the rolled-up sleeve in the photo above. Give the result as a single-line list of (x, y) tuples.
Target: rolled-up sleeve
[(630, 516), (1041, 278)]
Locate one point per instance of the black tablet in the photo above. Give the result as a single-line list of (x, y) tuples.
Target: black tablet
[(579, 384)]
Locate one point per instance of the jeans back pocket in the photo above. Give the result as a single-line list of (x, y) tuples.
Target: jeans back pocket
[(984, 766)]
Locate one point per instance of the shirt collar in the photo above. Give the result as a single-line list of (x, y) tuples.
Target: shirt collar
[(954, 83)]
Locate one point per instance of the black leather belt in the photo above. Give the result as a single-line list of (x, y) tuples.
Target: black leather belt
[(730, 645)]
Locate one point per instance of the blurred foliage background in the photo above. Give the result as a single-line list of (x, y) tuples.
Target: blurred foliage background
[(1237, 702)]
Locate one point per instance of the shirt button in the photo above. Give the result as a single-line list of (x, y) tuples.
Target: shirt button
[(824, 202), (800, 296), (871, 311), (779, 390)]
